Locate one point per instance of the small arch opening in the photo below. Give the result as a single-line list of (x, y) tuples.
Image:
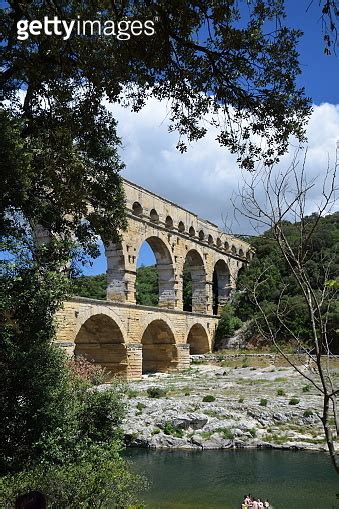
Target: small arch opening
[(201, 235), (218, 242), (210, 240), (169, 222), (241, 253), (191, 232), (233, 250), (181, 227), (154, 216), (226, 246), (137, 209)]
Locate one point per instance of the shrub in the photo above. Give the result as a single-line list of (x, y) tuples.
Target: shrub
[(208, 398), (308, 413), (88, 371), (170, 429), (263, 402), (156, 392), (306, 388), (293, 401), (226, 433), (253, 432), (85, 483), (240, 400), (281, 392), (140, 406)]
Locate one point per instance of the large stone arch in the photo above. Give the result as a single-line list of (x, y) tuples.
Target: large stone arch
[(195, 265), (159, 352), (100, 340), (221, 285), (197, 339), (165, 268)]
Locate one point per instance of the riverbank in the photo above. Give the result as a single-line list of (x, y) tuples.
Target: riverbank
[(225, 404)]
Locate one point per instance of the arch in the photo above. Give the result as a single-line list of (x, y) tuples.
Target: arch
[(194, 267), (226, 245), (154, 216), (191, 232), (218, 242), (221, 285), (165, 269), (198, 340), (241, 252), (210, 239), (181, 227), (137, 209), (233, 249), (169, 222), (101, 340), (248, 255), (201, 235), (159, 352)]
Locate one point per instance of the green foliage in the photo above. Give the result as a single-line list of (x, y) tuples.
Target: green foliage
[(227, 324), (294, 401), (170, 429), (208, 398), (100, 478), (281, 392), (156, 392), (227, 433), (93, 287), (308, 413), (306, 388), (54, 423), (246, 69), (146, 286), (263, 402), (278, 284)]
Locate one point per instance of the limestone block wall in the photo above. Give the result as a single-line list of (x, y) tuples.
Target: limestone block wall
[(129, 339)]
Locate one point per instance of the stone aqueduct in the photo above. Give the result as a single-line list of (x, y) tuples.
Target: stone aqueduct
[(130, 339)]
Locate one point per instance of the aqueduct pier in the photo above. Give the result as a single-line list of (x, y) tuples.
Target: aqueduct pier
[(129, 339)]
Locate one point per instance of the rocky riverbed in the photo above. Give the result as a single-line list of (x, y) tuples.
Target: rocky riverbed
[(219, 405)]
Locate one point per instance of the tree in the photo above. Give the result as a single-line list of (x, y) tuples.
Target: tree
[(268, 200), (232, 64)]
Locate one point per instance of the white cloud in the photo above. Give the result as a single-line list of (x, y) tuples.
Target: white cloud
[(203, 179)]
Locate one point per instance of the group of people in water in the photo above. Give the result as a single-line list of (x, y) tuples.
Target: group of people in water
[(251, 502)]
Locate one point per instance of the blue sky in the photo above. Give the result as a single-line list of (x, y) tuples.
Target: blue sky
[(203, 179)]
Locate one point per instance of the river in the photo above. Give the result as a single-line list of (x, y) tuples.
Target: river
[(219, 479)]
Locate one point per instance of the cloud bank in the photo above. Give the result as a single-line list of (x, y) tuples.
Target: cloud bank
[(204, 179)]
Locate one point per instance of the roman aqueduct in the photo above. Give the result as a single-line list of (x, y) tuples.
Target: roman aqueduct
[(130, 339)]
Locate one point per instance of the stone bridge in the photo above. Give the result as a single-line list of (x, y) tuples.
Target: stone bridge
[(131, 339)]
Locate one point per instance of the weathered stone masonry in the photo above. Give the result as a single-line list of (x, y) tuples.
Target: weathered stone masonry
[(130, 339)]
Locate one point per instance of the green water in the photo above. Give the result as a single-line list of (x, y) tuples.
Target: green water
[(219, 479)]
